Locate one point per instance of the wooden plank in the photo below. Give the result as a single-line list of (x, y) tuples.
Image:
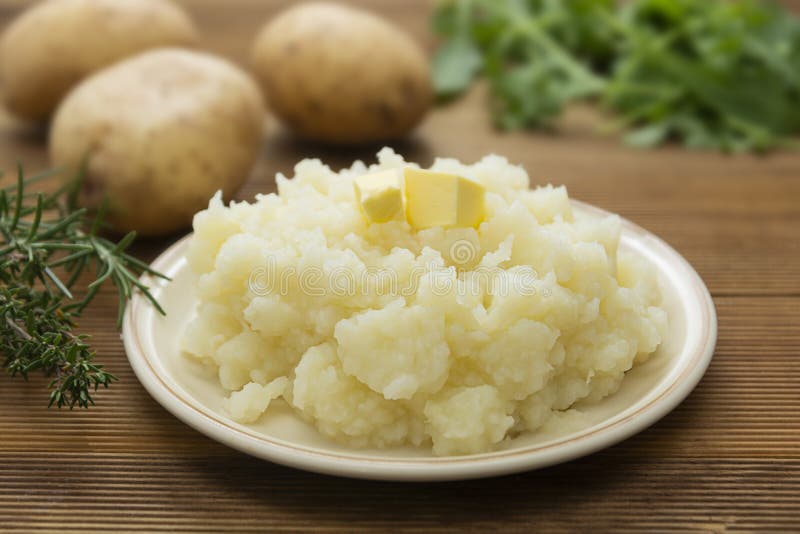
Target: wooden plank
[(728, 459)]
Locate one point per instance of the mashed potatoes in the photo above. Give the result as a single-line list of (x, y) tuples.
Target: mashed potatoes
[(380, 335)]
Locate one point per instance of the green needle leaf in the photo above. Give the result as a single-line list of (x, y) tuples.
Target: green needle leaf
[(43, 236)]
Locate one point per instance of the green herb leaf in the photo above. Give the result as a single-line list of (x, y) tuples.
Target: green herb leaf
[(455, 64), (648, 136), (713, 74)]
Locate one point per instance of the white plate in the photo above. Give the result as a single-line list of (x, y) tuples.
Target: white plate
[(649, 391)]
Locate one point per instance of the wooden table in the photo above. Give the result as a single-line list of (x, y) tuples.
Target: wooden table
[(727, 459)]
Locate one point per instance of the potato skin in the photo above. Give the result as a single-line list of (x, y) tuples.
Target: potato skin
[(340, 75), (160, 132), (57, 43)]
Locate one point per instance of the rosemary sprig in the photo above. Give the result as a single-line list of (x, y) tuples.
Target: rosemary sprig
[(44, 234)]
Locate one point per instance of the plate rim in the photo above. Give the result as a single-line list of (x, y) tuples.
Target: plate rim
[(495, 463)]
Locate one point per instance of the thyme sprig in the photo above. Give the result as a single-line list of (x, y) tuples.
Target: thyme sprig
[(45, 249)]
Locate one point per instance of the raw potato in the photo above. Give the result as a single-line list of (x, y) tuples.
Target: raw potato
[(340, 75), (51, 47), (161, 132)]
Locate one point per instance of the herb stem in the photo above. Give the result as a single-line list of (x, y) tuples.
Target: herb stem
[(38, 306)]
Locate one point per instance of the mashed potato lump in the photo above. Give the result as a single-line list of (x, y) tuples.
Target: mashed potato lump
[(381, 335)]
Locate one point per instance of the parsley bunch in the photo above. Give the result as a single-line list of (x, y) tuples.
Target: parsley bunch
[(712, 73)]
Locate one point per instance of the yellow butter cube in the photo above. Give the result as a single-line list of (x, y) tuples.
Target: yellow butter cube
[(380, 195), (442, 199)]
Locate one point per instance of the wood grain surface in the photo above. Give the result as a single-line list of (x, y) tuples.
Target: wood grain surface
[(728, 459)]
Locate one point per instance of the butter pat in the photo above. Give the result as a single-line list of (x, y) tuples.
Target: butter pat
[(380, 195), (442, 199)]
